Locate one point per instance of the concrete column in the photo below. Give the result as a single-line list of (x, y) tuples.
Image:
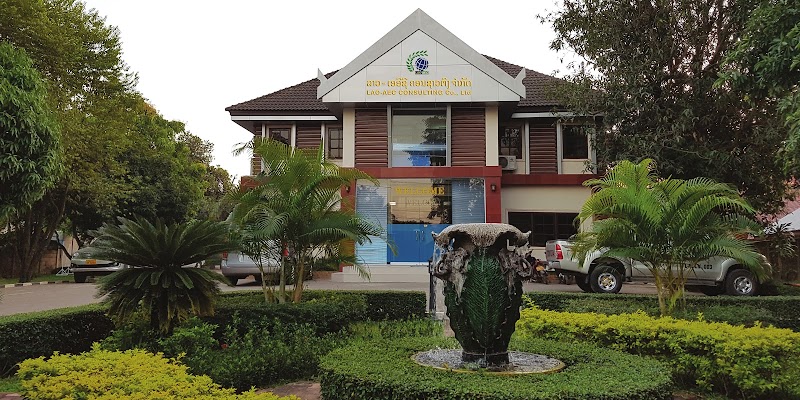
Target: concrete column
[(349, 133), (492, 147)]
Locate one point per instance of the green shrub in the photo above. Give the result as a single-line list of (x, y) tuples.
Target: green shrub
[(68, 330), (329, 314), (133, 374), (385, 370), (780, 311), (754, 362), (395, 329), (382, 305)]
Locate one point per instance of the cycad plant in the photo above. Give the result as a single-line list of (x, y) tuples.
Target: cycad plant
[(297, 205), (667, 224), (163, 280)]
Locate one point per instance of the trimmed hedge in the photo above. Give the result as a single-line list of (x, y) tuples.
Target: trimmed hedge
[(67, 330), (383, 305), (384, 370), (780, 311), (756, 362), (73, 330), (129, 375)]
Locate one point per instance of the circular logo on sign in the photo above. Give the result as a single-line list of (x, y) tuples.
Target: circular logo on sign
[(417, 63)]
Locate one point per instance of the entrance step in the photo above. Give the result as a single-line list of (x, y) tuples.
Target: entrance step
[(384, 273)]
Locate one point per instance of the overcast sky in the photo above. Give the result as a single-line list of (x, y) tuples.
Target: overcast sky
[(194, 58)]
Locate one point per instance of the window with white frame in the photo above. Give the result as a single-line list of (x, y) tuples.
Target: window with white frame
[(281, 134), (419, 138), (544, 226), (510, 141), (575, 141)]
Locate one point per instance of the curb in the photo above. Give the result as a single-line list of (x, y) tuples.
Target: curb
[(10, 285)]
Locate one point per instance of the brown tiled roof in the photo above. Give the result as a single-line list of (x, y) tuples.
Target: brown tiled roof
[(303, 96)]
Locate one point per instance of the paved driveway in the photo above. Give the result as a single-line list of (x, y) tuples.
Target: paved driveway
[(23, 299)]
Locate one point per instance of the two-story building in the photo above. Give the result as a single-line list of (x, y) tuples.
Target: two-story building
[(454, 136)]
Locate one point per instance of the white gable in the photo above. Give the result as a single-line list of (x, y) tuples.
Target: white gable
[(420, 61)]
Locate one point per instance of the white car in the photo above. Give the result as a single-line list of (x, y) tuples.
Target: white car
[(85, 265), (237, 266)]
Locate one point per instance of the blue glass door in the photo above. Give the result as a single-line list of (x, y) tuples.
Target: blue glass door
[(413, 242)]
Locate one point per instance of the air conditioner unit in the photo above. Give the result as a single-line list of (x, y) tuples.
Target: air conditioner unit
[(508, 163)]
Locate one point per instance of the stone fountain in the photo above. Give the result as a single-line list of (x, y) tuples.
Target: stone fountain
[(482, 266)]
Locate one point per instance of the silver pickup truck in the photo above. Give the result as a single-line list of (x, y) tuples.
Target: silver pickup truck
[(601, 274)]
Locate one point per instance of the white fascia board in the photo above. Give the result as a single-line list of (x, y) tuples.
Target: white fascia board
[(419, 21), (549, 114), (283, 118)]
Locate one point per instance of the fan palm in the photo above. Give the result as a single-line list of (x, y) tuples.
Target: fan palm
[(297, 203), (667, 224), (160, 282)]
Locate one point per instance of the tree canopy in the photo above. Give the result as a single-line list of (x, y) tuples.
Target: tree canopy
[(764, 67), (649, 68), (30, 149), (121, 157)]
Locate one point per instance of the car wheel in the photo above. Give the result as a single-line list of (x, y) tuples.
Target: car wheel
[(605, 279), (740, 282), (580, 280), (79, 278)]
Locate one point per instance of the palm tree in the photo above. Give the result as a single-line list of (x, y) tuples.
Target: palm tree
[(667, 224), (297, 204), (163, 281)]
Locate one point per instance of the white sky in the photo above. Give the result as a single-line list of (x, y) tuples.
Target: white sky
[(194, 58)]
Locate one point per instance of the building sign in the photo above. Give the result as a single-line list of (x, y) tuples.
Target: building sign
[(420, 190), (423, 70), (402, 86)]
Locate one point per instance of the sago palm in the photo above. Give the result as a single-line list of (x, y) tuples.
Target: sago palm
[(667, 224), (161, 281), (297, 203)]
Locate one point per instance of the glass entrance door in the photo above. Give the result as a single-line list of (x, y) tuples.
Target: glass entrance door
[(417, 207)]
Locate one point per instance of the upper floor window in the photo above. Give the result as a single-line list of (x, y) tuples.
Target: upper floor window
[(335, 143), (419, 138), (575, 142), (280, 134), (510, 141)]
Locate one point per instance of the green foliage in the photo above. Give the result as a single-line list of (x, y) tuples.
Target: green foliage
[(10, 385), (296, 205), (381, 305), (99, 374), (385, 370), (755, 362), (158, 282), (30, 149), (390, 330), (69, 330), (666, 224), (764, 68), (779, 311), (649, 69)]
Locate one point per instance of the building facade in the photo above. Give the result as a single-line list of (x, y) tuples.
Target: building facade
[(453, 136)]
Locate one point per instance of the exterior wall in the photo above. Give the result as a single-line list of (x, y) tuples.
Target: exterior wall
[(255, 160), (574, 167), (308, 136), (492, 127), (349, 132), (543, 199), (543, 143), (468, 136), (371, 138)]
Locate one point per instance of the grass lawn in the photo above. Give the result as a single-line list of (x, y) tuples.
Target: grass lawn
[(10, 385), (43, 278)]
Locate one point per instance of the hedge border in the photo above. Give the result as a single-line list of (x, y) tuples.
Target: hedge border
[(74, 329), (783, 309), (385, 370)]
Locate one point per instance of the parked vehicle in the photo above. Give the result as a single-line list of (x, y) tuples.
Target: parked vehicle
[(85, 265), (601, 274), (237, 266)]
